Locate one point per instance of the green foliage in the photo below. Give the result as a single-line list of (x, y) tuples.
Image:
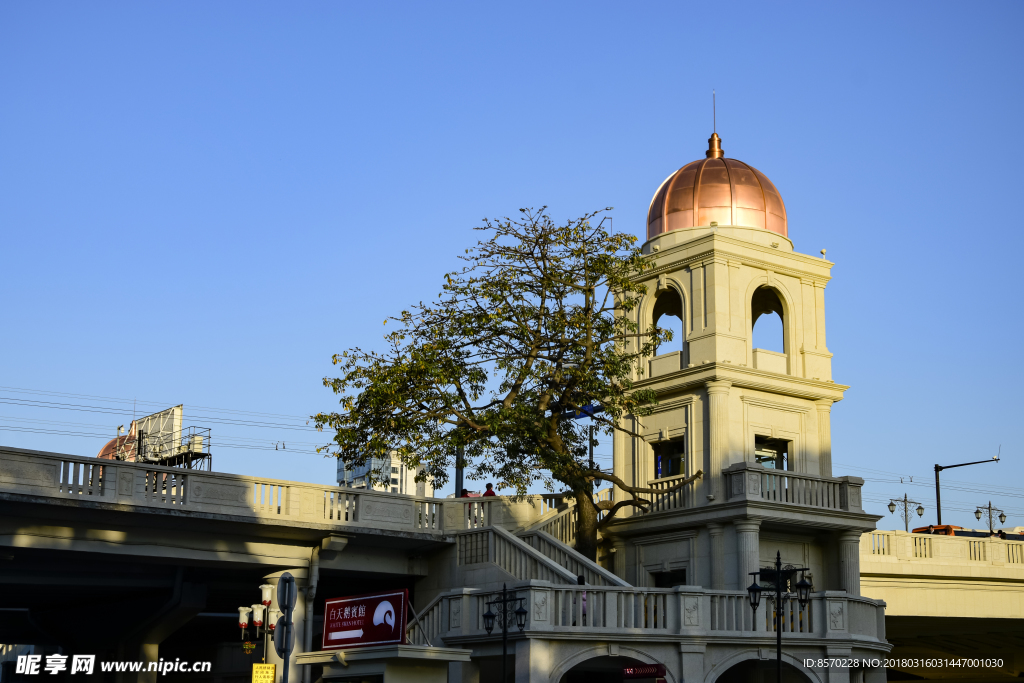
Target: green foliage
[(535, 325)]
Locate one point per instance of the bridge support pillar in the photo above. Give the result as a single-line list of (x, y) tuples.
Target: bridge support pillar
[(187, 601), (298, 618)]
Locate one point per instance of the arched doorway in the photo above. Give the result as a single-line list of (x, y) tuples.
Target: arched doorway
[(761, 671), (603, 669)]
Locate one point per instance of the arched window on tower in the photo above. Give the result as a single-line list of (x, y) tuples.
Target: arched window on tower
[(668, 315), (768, 338)]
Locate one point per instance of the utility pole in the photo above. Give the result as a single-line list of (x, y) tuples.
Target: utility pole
[(590, 442), (460, 456), (939, 468)]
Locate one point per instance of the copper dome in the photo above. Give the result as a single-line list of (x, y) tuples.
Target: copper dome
[(726, 191)]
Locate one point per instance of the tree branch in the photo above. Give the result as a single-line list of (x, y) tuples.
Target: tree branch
[(613, 508), (605, 476)]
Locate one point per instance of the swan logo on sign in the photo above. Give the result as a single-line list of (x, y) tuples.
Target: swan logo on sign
[(364, 620), (384, 614)]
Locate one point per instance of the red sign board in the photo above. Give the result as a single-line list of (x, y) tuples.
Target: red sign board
[(364, 620)]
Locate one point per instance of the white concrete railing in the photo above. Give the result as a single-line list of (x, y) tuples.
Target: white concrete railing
[(675, 500), (754, 482), (427, 630), (800, 489), (935, 550), (560, 526), (576, 563), (730, 611), (141, 485), (687, 610), (513, 555)]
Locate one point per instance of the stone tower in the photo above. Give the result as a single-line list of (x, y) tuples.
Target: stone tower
[(755, 421)]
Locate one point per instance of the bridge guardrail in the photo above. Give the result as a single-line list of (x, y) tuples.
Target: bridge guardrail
[(150, 486), (933, 549)]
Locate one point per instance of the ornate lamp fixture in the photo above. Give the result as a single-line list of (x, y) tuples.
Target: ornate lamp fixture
[(503, 605), (779, 576)]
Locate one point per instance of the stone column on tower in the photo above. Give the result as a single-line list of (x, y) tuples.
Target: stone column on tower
[(748, 549), (717, 532), (824, 437), (718, 409), (849, 561)]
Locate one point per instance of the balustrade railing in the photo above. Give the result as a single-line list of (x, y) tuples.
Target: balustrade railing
[(662, 611), (340, 505), (147, 485), (1015, 553), (81, 478), (884, 547), (591, 607), (567, 557), (731, 612), (799, 489), (165, 488), (427, 628), (881, 544), (671, 500), (516, 557), (561, 526), (268, 498)]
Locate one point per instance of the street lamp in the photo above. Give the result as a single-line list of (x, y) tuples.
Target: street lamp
[(243, 621), (754, 591), (779, 577), (990, 511), (262, 627), (905, 506), (503, 604)]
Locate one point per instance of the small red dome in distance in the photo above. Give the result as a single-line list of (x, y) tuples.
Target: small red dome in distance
[(726, 191)]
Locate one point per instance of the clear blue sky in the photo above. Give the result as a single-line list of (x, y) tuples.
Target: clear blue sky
[(201, 202)]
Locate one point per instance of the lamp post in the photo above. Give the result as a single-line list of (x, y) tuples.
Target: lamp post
[(503, 605), (779, 576), (990, 510), (905, 506), (939, 468)]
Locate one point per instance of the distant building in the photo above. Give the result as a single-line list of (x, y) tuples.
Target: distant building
[(388, 474)]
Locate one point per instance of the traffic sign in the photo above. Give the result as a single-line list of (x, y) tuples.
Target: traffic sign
[(286, 592)]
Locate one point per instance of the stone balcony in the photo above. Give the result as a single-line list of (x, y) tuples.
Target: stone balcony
[(627, 613), (767, 489)]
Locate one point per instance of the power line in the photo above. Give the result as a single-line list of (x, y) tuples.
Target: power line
[(40, 392), (78, 407)]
